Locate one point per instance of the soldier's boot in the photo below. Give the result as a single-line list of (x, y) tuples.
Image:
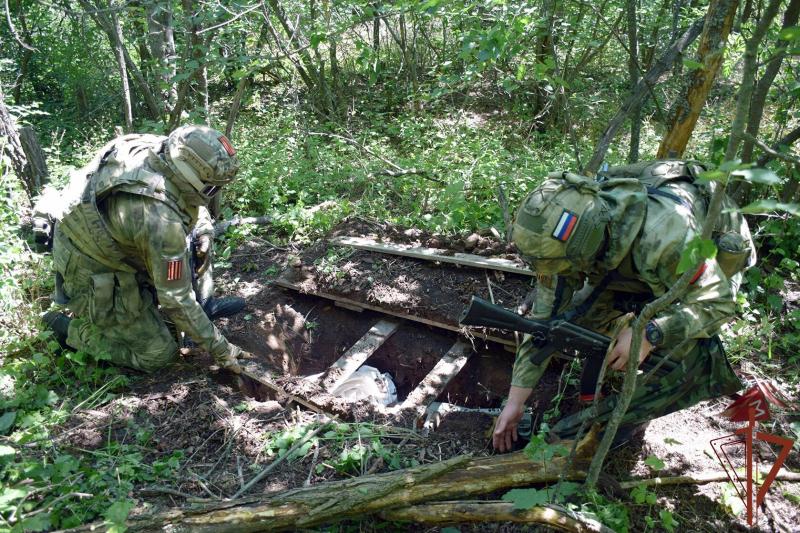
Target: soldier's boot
[(58, 323), (223, 307)]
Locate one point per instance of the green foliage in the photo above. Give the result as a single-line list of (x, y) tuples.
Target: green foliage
[(767, 324), (526, 498), (349, 447), (697, 251), (654, 462)]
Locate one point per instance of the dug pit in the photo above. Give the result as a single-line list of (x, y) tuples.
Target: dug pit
[(295, 332)]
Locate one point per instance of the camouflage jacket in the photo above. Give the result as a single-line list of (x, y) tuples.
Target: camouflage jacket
[(127, 215), (641, 257)]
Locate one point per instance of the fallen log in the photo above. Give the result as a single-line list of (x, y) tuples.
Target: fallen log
[(336, 500), (221, 227), (460, 512), (700, 479)]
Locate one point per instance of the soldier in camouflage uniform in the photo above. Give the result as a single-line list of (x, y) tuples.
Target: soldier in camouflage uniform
[(604, 247), (120, 249)]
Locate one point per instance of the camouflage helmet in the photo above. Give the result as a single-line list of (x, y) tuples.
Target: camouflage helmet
[(561, 225), (203, 157)]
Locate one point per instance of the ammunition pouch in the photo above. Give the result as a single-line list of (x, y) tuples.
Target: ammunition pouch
[(733, 253)]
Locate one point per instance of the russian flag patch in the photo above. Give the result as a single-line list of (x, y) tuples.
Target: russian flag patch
[(565, 226)]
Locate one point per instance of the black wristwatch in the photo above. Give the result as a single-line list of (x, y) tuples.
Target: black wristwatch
[(653, 334)]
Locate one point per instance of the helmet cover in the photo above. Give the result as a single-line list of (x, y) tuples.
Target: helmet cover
[(561, 225), (203, 157)]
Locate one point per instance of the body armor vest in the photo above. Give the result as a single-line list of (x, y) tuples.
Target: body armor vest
[(129, 164)]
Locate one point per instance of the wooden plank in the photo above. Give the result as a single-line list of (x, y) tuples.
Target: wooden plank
[(356, 308), (348, 363), (437, 379), (296, 287), (433, 254)]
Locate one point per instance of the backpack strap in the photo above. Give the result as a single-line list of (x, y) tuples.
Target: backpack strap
[(655, 191)]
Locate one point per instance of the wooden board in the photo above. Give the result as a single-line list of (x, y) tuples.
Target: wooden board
[(358, 354), (433, 254), (437, 379), (296, 287)]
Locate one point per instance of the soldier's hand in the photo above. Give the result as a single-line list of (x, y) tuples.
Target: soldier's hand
[(620, 354), (203, 249), (505, 428), (230, 360)]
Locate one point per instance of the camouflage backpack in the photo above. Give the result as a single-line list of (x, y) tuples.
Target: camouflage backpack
[(735, 248)]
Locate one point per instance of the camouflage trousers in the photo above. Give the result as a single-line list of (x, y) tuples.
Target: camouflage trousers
[(116, 316), (702, 372)]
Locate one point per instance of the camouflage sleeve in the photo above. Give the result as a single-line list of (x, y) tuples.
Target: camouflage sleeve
[(708, 303), (204, 224), (163, 247), (550, 291)]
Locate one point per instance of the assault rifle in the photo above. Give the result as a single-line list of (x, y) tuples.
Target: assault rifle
[(556, 335)]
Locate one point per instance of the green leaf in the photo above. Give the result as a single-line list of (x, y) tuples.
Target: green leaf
[(758, 175), (697, 251), (789, 34), (118, 513), (39, 522), (733, 164), (708, 249), (7, 453), (765, 206), (654, 462), (667, 520), (639, 494), (691, 64), (567, 489), (711, 175), (670, 440), (525, 498), (7, 421), (10, 496)]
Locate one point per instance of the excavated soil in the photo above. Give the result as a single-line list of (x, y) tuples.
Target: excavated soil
[(223, 432), (433, 291)]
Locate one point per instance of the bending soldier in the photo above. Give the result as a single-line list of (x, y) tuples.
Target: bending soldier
[(602, 248), (120, 249)]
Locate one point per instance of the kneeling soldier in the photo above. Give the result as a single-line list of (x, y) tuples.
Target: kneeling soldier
[(120, 249), (604, 247)]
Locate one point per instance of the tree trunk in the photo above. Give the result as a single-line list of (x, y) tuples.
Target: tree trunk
[(127, 107), (762, 88), (13, 148), (37, 161), (376, 30), (311, 74), (101, 18), (748, 78), (711, 48), (787, 140), (161, 40), (335, 500), (633, 73), (25, 55), (442, 513), (663, 64)]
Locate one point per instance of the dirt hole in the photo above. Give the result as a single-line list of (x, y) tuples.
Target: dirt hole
[(303, 335)]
